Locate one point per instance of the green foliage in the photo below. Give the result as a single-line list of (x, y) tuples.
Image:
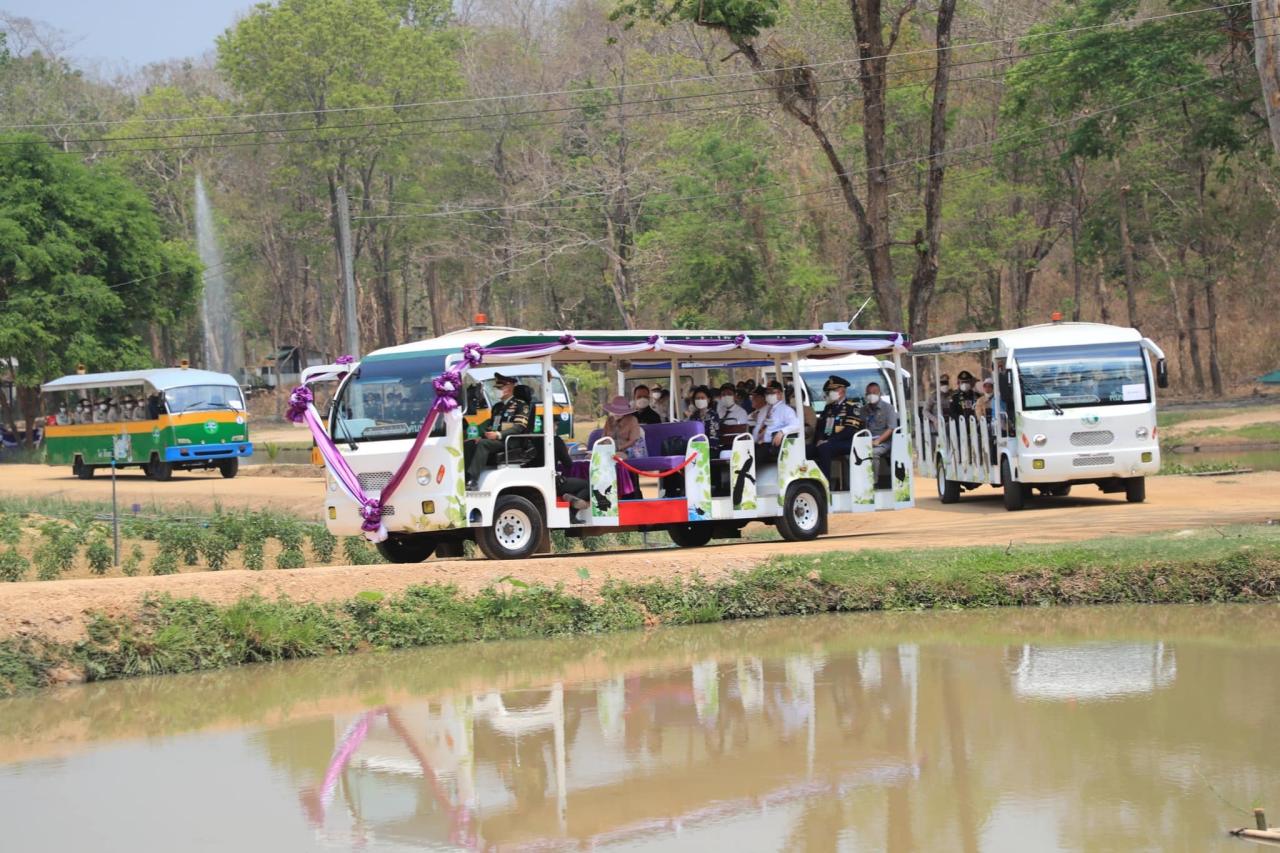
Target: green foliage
[(290, 534), (216, 548), (291, 558), (13, 566), (10, 530), (57, 551), (80, 249), (323, 543), (132, 564), (357, 551), (252, 556), (164, 563), (100, 556), (738, 19), (230, 526)]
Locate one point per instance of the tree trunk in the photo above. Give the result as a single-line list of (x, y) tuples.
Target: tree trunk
[(1193, 339), (433, 297), (1100, 290), (1266, 29), (925, 278), (1211, 309), (1126, 249)]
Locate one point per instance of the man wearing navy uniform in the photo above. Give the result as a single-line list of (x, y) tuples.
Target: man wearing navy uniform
[(509, 416), (836, 426)]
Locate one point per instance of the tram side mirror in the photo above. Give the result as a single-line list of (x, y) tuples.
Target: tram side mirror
[(1162, 373)]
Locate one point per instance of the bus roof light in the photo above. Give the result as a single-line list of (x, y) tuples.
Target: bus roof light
[(1056, 316), (481, 319)]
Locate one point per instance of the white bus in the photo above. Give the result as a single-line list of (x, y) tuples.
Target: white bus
[(1073, 403), (688, 490)]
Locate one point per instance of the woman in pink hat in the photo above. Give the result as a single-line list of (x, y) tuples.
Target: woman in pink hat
[(622, 426)]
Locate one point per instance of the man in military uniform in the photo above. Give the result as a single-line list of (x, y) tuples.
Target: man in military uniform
[(964, 398), (509, 416), (833, 434)]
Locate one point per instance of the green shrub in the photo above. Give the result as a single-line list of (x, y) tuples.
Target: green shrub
[(100, 556), (230, 526), (290, 534), (357, 551), (13, 566), (215, 548), (133, 563), (252, 556), (323, 543), (291, 558), (10, 529), (57, 552), (165, 563)]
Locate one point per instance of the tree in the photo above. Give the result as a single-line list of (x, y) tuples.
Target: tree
[(1266, 46), (84, 266), (796, 87)]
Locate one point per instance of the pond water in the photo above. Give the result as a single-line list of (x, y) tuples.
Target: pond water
[(1015, 730)]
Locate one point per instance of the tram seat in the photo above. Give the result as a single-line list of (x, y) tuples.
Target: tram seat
[(655, 436), (594, 437)]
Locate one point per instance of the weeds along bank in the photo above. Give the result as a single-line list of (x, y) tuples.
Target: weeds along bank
[(1238, 564)]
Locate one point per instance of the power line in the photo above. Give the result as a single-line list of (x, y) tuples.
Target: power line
[(1132, 22)]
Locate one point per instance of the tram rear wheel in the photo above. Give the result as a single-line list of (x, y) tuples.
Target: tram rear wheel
[(692, 535)]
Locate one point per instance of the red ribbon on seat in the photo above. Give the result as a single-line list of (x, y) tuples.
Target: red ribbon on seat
[(657, 474)]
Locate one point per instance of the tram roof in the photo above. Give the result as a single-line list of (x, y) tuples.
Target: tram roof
[(1042, 335), (825, 345), (162, 379)]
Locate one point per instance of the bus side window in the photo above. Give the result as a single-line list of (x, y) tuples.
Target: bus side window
[(475, 398)]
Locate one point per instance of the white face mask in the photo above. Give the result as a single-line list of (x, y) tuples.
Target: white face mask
[(726, 400), (833, 396), (872, 399), (944, 388), (771, 399), (964, 386), (701, 403), (642, 402)]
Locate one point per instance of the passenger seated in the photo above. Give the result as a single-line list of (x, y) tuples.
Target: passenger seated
[(704, 414), (836, 426), (624, 428), (774, 421), (882, 419), (154, 407), (100, 412), (573, 490), (645, 413), (509, 416), (731, 414)]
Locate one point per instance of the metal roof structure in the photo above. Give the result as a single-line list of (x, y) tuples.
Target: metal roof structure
[(1043, 335), (161, 379)]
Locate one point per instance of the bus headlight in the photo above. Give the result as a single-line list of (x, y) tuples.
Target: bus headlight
[(1039, 440), (424, 476), (1141, 432)]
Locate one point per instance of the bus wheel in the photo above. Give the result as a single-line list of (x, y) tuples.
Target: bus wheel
[(229, 467), (81, 470), (692, 535), (1135, 489), (406, 549), (515, 532), (159, 471), (1015, 493), (804, 512), (948, 492)]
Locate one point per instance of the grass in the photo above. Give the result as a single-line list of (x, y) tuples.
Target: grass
[(1234, 564), (1259, 433)]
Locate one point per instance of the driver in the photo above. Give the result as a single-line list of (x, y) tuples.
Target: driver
[(509, 416)]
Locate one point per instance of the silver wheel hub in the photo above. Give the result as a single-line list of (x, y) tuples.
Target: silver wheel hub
[(804, 511), (513, 529)]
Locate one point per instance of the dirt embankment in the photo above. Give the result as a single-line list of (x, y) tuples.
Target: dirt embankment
[(58, 609)]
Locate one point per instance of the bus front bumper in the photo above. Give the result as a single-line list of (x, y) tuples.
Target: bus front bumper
[(202, 452), (1079, 465)]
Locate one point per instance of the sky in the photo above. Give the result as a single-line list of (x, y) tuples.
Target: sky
[(120, 33)]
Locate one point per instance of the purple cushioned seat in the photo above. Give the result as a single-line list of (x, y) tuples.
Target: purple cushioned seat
[(655, 435)]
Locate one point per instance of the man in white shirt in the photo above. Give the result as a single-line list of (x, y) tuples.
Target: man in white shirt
[(728, 409), (773, 423)]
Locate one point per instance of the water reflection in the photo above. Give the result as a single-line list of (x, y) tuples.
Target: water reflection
[(1018, 730)]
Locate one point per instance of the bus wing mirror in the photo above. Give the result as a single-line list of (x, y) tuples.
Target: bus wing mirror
[(1006, 385), (1162, 373)]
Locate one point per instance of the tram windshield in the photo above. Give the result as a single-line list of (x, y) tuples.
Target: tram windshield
[(1084, 375), (387, 398)]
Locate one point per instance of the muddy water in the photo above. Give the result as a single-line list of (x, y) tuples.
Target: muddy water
[(1034, 730)]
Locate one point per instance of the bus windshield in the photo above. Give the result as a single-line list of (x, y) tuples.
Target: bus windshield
[(387, 398), (192, 398), (858, 378), (1085, 375)]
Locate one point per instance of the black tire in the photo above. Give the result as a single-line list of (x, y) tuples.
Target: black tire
[(948, 491), (229, 467), (397, 548), (1015, 493), (1135, 489), (159, 470), (81, 470), (804, 512), (515, 532), (695, 534)]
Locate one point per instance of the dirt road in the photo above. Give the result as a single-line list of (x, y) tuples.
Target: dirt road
[(58, 608)]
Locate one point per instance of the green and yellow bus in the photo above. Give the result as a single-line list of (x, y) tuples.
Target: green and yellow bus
[(159, 420)]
